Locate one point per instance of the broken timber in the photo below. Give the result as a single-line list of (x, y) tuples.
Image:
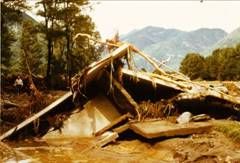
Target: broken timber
[(36, 116), (95, 68), (128, 97), (159, 80), (154, 129), (118, 120)]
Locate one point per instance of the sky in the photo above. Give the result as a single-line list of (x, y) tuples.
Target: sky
[(124, 16)]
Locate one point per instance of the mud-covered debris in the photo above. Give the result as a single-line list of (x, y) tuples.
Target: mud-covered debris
[(200, 117), (162, 128), (184, 118)]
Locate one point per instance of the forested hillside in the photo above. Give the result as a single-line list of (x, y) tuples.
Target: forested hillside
[(46, 45)]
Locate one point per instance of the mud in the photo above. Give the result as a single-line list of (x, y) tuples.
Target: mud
[(207, 147)]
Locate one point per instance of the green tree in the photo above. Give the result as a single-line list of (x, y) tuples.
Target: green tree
[(69, 12), (213, 64), (84, 51), (48, 12), (11, 12), (32, 48), (223, 64), (230, 66), (193, 65), (64, 19)]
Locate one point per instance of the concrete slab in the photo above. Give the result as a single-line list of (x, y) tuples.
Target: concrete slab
[(162, 128)]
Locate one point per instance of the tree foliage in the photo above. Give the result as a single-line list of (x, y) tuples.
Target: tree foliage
[(193, 65), (10, 14), (63, 20), (32, 48), (222, 64), (48, 45)]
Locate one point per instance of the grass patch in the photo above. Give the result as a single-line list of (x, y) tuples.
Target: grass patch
[(229, 128)]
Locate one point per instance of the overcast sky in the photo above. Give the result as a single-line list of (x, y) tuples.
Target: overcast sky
[(124, 16)]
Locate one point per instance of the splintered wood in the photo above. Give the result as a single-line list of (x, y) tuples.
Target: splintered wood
[(163, 95)]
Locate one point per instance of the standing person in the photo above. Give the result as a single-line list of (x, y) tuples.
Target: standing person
[(18, 84)]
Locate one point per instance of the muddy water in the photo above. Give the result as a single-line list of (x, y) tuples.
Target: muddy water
[(55, 150), (83, 150), (208, 147)]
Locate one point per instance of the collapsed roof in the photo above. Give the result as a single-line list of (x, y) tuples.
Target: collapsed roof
[(127, 86)]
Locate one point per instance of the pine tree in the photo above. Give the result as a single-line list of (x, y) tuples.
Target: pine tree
[(32, 47)]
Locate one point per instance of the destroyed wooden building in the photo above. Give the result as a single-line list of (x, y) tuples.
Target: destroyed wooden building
[(144, 102), (149, 103)]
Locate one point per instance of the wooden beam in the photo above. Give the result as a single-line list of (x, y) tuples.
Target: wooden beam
[(96, 67), (36, 116), (102, 140), (127, 96), (159, 81), (149, 59), (163, 128), (116, 121), (106, 138), (122, 128)]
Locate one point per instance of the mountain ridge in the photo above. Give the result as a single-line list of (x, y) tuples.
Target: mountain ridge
[(162, 42), (231, 40)]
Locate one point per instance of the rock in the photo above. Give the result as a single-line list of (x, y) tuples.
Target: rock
[(185, 117)]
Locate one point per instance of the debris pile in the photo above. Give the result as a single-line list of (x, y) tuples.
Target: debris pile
[(149, 104)]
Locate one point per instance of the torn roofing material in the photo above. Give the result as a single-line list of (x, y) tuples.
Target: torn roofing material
[(137, 83)]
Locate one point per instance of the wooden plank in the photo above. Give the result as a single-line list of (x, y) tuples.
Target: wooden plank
[(106, 138), (210, 93), (101, 141), (122, 128), (35, 116), (162, 82), (116, 121), (162, 128), (98, 66), (149, 59), (127, 96)]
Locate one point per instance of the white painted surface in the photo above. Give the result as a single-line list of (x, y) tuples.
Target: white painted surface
[(97, 114)]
